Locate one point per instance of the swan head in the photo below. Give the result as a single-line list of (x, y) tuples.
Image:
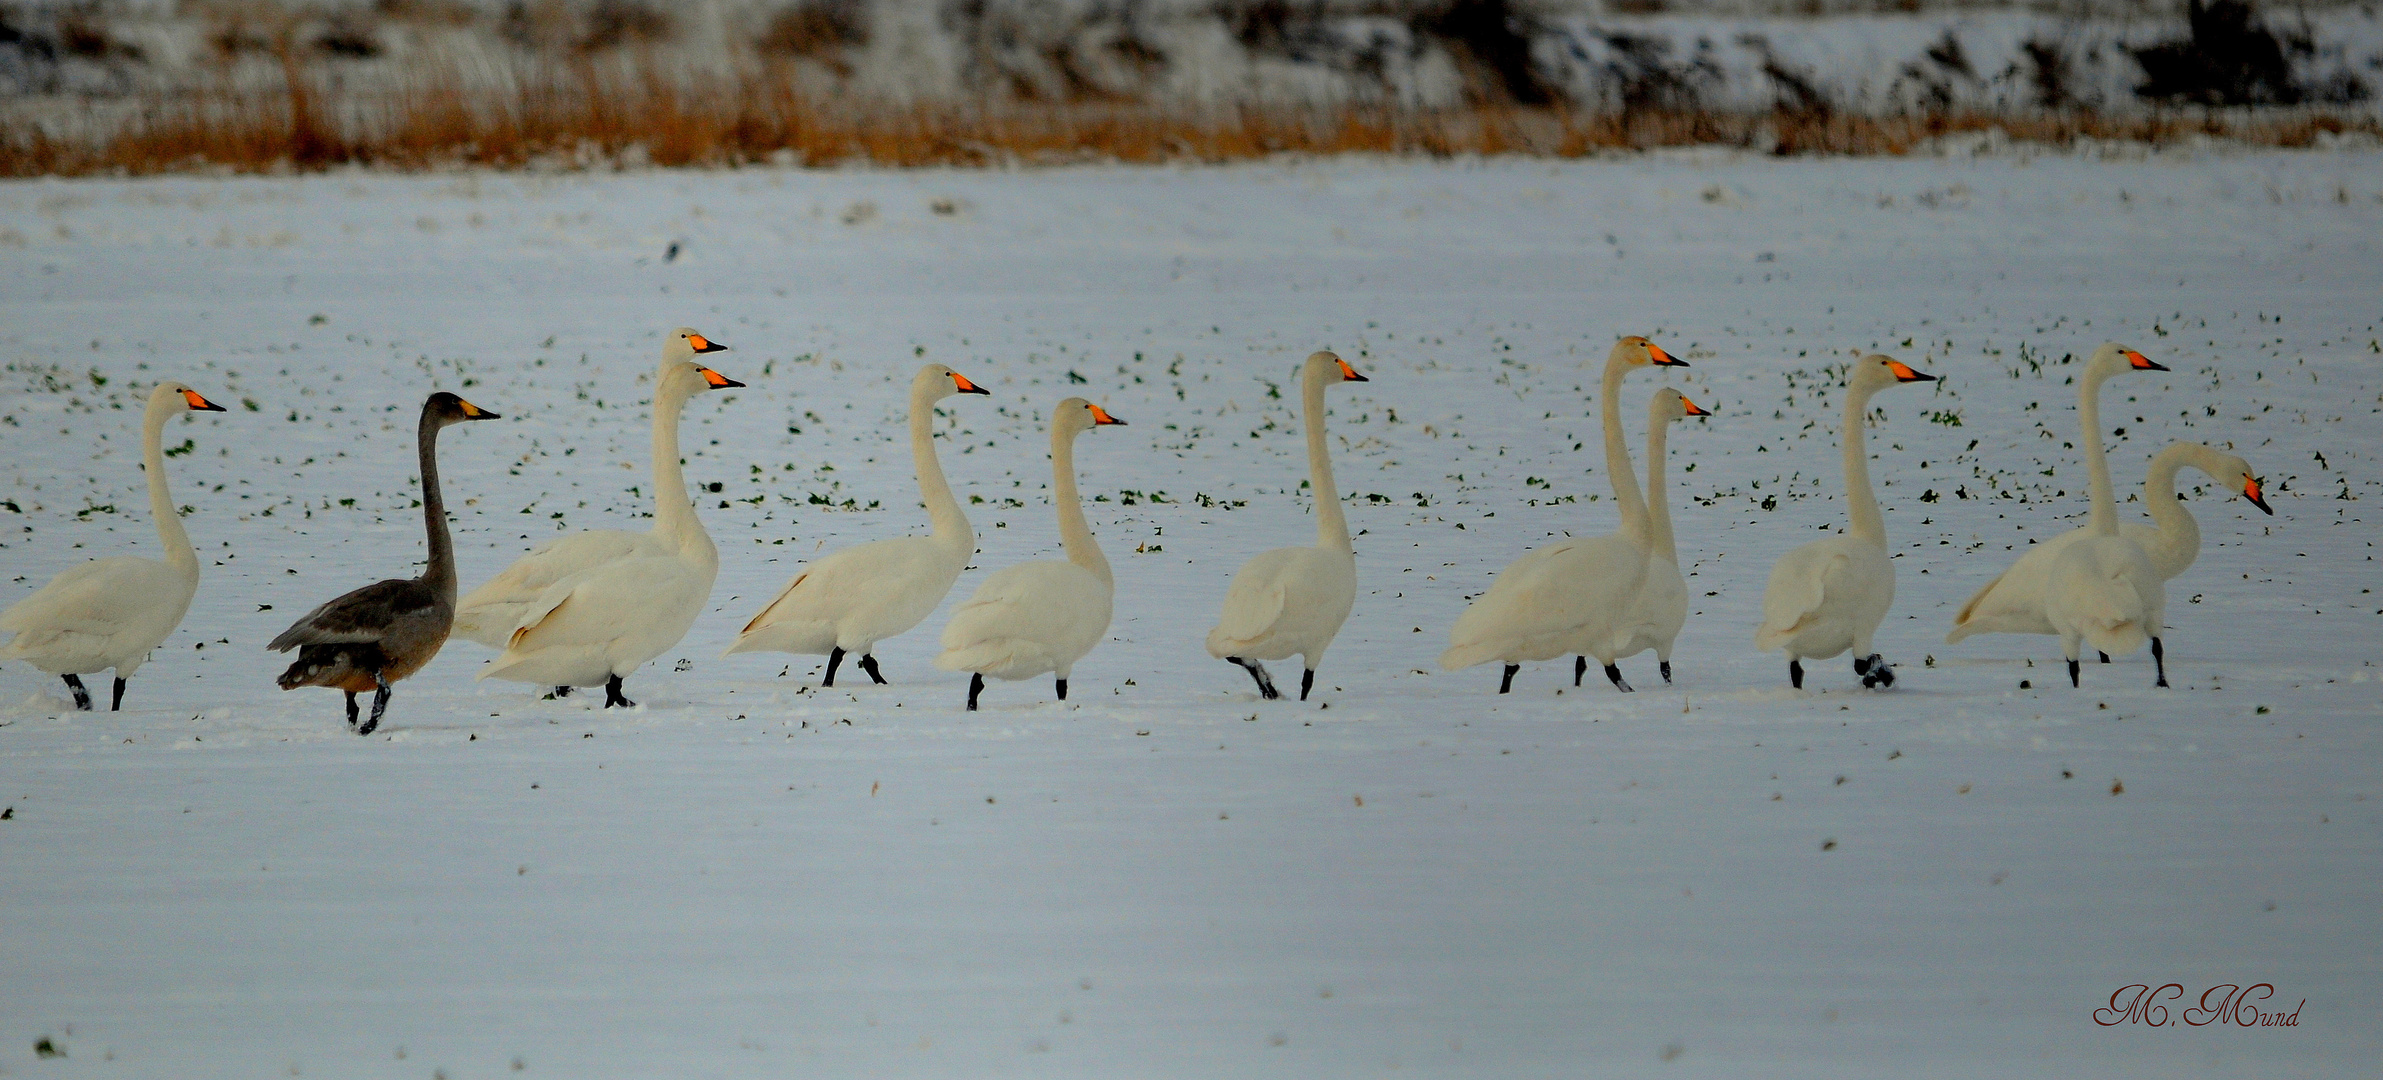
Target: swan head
[(1878, 371), (1635, 351), (444, 409), (941, 382), (689, 378), (1670, 405), (2236, 473), (686, 344), (181, 398), (1076, 416), (1327, 365), (2114, 359)]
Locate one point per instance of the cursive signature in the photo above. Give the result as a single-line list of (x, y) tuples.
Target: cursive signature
[(2225, 1003)]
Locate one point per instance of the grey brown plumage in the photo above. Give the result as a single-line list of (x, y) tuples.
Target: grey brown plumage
[(386, 631)]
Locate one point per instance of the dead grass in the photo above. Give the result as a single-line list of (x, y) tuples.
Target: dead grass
[(587, 116)]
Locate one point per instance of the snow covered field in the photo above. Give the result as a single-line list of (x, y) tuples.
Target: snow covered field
[(1165, 876)]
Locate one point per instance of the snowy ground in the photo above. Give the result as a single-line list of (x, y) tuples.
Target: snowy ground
[(1167, 877)]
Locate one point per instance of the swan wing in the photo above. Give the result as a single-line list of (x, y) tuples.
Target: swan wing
[(104, 611), (490, 613), (1253, 603), (360, 616), (1027, 619), (886, 587), (1799, 589), (2013, 603)]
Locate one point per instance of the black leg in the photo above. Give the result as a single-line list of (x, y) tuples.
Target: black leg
[(1506, 682), (1874, 671), (118, 704), (562, 691), (869, 664), (351, 710), (1614, 672), (1795, 673), (976, 685), (2073, 675), (82, 697), (1861, 665), (1307, 682), (2105, 656), (1257, 671), (1062, 689), (1580, 667), (2159, 659), (1665, 667), (613, 695), (380, 704), (835, 656)]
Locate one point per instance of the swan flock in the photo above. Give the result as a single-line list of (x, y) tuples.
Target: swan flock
[(592, 608)]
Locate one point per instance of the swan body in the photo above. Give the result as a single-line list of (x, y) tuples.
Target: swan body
[(1574, 595), (387, 630), (1292, 601), (1829, 596), (1661, 608), (854, 598), (598, 625), (2013, 603), (1040, 617), (111, 613), (489, 614)]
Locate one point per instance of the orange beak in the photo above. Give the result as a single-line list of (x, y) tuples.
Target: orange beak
[(1349, 374), (1101, 416), (1904, 373), (967, 387), (474, 412), (1664, 359), (718, 381), (2250, 490), (702, 344), (200, 404), (1691, 407), (2142, 362)]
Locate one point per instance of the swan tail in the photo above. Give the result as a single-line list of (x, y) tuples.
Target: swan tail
[(1460, 657), (1000, 658)]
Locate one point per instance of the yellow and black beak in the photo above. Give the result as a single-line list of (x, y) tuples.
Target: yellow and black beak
[(2250, 490), (200, 404), (474, 412), (2141, 362), (1101, 416), (702, 344), (1691, 408), (1349, 374), (1904, 373), (967, 387), (1664, 359), (717, 380)]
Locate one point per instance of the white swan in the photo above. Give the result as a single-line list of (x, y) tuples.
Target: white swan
[(1662, 604), (1292, 601), (1040, 616), (2013, 603), (1830, 595), (598, 625), (851, 600), (490, 613), (2103, 588), (110, 613), (1572, 595)]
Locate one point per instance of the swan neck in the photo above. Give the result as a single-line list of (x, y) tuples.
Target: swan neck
[(1074, 533), (2180, 535), (951, 523), (1862, 511), (441, 571), (170, 535), (2104, 519), (1617, 452), (1332, 526), (674, 509), (1658, 512)]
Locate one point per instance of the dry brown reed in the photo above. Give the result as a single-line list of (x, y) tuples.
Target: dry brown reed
[(585, 116)]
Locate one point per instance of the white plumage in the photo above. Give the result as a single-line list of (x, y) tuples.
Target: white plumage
[(1040, 617), (1574, 595), (1830, 595), (1292, 601), (489, 614), (111, 613), (854, 598), (599, 624), (1661, 608)]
